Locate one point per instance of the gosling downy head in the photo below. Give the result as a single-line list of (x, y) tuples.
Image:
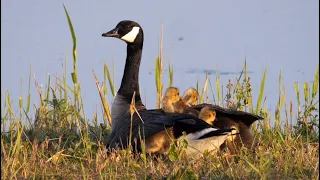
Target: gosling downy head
[(208, 115), (128, 31), (171, 102), (170, 96), (172, 93), (190, 96)]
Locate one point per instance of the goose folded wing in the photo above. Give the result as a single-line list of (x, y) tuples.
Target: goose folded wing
[(156, 120), (149, 122), (245, 117)]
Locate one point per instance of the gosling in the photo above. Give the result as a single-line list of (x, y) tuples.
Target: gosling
[(190, 96), (171, 102), (170, 97), (208, 115)]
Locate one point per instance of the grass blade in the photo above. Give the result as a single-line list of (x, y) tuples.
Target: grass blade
[(104, 101), (48, 90), (296, 88), (20, 99), (111, 84), (170, 75), (315, 85), (306, 92), (158, 80), (204, 89), (29, 95), (218, 85), (253, 167), (74, 53), (262, 84)]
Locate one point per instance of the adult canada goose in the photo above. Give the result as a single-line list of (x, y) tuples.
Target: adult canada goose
[(238, 120), (199, 134), (171, 102)]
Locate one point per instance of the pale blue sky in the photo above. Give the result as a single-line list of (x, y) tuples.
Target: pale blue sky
[(283, 35)]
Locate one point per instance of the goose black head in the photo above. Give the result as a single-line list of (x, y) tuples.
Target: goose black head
[(128, 31)]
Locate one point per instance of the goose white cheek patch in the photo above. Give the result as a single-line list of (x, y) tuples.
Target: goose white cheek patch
[(131, 36)]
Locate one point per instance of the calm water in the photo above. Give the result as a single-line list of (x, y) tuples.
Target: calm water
[(280, 35)]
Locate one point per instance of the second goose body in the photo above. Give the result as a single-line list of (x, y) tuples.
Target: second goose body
[(238, 120)]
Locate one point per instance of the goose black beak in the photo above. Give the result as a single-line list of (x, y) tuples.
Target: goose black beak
[(112, 33)]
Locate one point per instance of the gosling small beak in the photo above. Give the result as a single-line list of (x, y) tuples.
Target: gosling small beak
[(112, 33)]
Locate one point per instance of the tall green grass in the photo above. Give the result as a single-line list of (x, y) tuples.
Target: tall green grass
[(63, 144)]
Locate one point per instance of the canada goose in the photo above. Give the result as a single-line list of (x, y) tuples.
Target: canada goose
[(171, 102), (190, 96), (208, 115), (238, 120), (199, 134)]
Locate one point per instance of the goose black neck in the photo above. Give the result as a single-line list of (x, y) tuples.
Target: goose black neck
[(130, 79)]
